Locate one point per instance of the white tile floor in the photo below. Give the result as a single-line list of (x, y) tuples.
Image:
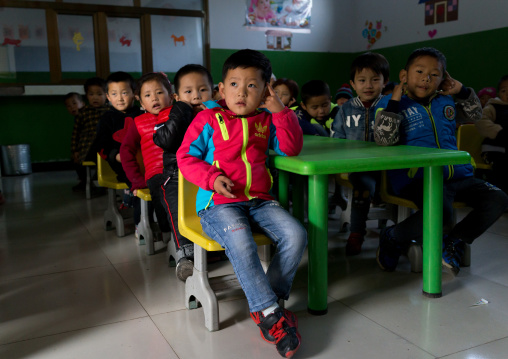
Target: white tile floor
[(68, 289)]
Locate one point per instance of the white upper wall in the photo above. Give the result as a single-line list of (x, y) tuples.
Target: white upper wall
[(337, 25), (227, 18), (405, 21)]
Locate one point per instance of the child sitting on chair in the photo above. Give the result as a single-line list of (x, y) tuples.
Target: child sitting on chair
[(193, 86), (369, 73), (85, 126), (421, 112), (224, 152), (153, 91)]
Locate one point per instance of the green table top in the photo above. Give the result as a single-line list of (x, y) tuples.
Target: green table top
[(324, 155)]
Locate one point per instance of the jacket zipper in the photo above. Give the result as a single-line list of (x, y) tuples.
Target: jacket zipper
[(434, 129)]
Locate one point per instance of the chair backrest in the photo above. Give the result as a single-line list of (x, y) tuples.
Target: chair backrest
[(106, 176), (470, 140), (189, 223)]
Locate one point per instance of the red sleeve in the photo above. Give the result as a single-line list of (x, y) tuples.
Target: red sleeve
[(131, 144), (191, 154), (288, 136)]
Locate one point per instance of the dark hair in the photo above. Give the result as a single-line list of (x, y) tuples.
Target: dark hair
[(121, 76), (95, 81), (291, 85), (501, 80), (314, 88), (389, 87), (427, 51), (248, 58), (154, 76), (370, 60), (189, 69), (73, 94)]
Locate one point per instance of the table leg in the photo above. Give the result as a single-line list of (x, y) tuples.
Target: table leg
[(318, 245), (299, 197), (284, 189), (432, 230)]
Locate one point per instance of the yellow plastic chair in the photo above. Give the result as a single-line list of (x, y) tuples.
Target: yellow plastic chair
[(470, 140), (198, 287), (145, 232), (107, 178), (88, 165)]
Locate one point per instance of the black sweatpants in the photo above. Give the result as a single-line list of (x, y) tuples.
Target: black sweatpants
[(169, 189), (488, 203)]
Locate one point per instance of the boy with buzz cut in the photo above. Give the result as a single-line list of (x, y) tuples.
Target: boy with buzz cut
[(193, 88), (316, 111), (369, 73), (85, 126), (224, 152), (421, 112)]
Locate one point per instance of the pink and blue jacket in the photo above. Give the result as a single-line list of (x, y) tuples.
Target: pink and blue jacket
[(219, 142)]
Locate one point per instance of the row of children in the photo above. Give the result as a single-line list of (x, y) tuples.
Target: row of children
[(421, 112), (224, 149)]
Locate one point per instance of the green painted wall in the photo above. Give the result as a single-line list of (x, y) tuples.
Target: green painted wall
[(475, 59)]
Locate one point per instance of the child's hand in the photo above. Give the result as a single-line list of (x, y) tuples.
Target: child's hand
[(400, 88), (198, 108), (117, 158), (135, 193), (272, 101), (450, 86), (222, 186)]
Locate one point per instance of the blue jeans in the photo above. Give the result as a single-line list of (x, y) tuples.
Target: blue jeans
[(232, 224)]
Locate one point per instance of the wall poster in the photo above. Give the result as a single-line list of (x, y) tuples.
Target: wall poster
[(292, 15)]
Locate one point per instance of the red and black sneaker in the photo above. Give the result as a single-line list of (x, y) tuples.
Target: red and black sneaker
[(279, 328)]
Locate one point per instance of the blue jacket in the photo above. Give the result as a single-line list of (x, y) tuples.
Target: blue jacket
[(354, 121), (410, 123), (311, 126)]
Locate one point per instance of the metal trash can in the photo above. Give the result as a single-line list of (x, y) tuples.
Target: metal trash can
[(16, 160)]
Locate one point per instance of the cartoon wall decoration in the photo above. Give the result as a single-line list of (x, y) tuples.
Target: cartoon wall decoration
[(437, 11), (293, 15), (178, 39), (125, 41), (15, 42), (278, 40), (78, 40), (373, 32)]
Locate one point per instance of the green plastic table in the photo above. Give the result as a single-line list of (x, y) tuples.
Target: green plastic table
[(322, 156)]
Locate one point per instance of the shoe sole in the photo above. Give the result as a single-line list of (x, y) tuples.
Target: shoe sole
[(379, 263), (452, 269), (184, 270)]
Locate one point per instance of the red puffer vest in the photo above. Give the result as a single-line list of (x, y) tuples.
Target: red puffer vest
[(152, 154)]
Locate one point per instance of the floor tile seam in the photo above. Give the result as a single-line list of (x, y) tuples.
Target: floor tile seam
[(388, 329), (129, 288), (52, 273), (74, 330), (162, 334), (473, 347)]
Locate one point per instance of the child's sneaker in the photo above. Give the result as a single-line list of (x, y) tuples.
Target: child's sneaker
[(184, 269), (279, 328), (389, 251), (453, 251), (354, 244)]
